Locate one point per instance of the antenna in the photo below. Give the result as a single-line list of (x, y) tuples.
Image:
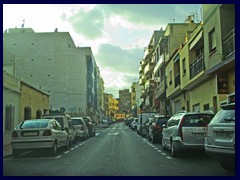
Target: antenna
[(23, 23)]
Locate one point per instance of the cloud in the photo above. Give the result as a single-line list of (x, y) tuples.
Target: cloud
[(118, 67), (87, 22)]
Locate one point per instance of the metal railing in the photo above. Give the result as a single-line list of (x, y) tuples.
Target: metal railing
[(197, 66), (229, 44)]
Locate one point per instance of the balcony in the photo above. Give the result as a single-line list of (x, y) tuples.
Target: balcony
[(149, 85), (229, 44), (148, 51), (158, 64), (197, 66), (159, 90), (149, 68)]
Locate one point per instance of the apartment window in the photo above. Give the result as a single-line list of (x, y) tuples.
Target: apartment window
[(9, 117), (170, 77), (212, 40), (184, 66)]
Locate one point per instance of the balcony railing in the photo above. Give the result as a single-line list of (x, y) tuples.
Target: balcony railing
[(177, 80), (197, 66), (229, 44)]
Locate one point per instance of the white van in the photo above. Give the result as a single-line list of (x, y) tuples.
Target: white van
[(65, 121)]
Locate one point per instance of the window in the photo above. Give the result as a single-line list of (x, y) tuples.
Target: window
[(38, 114), (184, 66), (206, 107), (27, 113), (212, 40), (9, 117)]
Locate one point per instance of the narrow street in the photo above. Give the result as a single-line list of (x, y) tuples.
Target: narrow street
[(114, 151)]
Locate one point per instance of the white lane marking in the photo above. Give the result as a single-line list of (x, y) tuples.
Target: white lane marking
[(66, 152), (97, 134), (159, 151), (164, 154), (58, 157), (168, 157)]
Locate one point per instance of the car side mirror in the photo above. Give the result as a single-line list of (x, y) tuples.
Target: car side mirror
[(164, 125)]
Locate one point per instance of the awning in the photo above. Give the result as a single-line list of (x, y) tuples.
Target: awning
[(194, 42)]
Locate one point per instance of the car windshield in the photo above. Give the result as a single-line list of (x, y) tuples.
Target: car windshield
[(77, 122), (60, 121), (33, 124), (162, 120)]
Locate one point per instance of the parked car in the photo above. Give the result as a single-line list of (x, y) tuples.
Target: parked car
[(134, 124), (220, 140), (80, 127), (185, 131), (145, 127), (156, 127), (104, 123), (38, 134), (65, 121), (142, 118), (128, 121), (90, 125)]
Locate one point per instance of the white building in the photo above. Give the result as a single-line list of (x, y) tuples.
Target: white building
[(51, 62)]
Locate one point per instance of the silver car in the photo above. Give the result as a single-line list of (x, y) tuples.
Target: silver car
[(38, 134), (185, 131), (80, 128), (220, 141)]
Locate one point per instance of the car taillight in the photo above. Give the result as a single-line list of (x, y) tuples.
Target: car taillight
[(180, 128), (14, 134), (157, 127), (47, 133)]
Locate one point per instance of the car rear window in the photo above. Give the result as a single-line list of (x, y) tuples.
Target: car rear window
[(77, 122), (198, 120), (224, 116), (33, 124)]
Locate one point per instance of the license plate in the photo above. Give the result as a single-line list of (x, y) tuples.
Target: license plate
[(200, 135), (224, 134), (30, 133)]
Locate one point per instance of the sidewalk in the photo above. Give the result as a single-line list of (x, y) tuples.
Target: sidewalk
[(7, 150)]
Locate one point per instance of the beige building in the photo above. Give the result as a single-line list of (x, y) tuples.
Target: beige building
[(51, 62), (21, 101)]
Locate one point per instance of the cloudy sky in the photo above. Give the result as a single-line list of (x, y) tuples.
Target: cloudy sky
[(117, 34)]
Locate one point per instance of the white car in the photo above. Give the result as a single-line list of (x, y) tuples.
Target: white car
[(134, 124), (80, 128), (220, 141), (37, 134)]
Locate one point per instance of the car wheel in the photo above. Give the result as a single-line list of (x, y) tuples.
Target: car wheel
[(153, 139), (173, 150), (228, 167), (16, 152), (67, 144), (54, 148), (163, 145)]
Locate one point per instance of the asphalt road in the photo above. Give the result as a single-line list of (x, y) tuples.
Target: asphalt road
[(114, 151)]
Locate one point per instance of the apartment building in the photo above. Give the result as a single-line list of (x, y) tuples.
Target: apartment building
[(52, 63), (200, 72), (135, 98), (124, 102)]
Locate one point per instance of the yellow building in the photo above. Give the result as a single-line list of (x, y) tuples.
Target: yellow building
[(200, 74), (33, 102)]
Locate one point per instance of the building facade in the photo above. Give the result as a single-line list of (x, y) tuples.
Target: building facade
[(52, 63)]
